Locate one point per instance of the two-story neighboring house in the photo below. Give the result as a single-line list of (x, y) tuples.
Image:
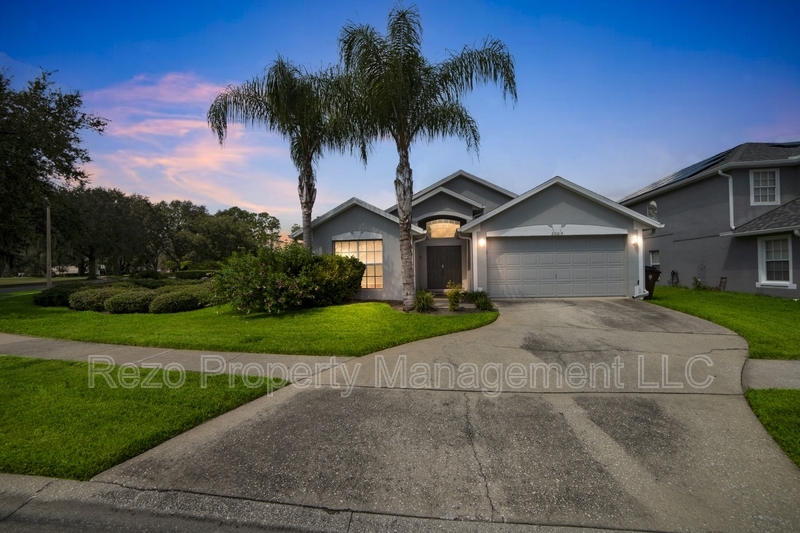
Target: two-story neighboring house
[(734, 215)]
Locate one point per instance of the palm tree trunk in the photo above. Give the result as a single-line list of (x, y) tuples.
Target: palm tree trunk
[(307, 191), (404, 188)]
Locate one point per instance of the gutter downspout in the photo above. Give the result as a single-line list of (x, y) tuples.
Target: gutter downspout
[(730, 195), (797, 232)]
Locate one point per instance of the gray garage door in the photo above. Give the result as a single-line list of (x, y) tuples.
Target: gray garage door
[(556, 266)]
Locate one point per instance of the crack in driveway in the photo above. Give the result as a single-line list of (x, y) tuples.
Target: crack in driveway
[(471, 438)]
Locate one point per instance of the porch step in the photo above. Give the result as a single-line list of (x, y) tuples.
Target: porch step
[(441, 303)]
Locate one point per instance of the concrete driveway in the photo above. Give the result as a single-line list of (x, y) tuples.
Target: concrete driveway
[(641, 426)]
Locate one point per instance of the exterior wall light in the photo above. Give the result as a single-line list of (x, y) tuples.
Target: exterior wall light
[(634, 239), (481, 242)]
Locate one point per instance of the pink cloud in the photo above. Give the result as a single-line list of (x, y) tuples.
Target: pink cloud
[(172, 88), (159, 145)]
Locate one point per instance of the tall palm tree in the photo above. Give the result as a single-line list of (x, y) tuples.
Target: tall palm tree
[(291, 101), (406, 98)]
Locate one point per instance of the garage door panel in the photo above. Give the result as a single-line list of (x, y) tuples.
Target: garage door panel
[(547, 259), (564, 274), (580, 273), (580, 258), (556, 266), (530, 274)]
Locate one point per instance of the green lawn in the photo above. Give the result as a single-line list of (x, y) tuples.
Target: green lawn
[(769, 325), (53, 424), (346, 330), (12, 282), (779, 412)]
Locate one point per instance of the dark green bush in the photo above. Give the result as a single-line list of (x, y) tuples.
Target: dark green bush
[(287, 277), (208, 266), (193, 274), (480, 299), (186, 299), (94, 298), (276, 280), (423, 301), (134, 301), (337, 279), (146, 274), (58, 295)]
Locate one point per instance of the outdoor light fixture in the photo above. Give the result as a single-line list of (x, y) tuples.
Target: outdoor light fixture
[(481, 242), (634, 239)]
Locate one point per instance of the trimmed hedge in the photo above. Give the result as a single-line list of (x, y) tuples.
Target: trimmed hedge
[(58, 295), (146, 274), (135, 301), (94, 299), (193, 274), (181, 300)]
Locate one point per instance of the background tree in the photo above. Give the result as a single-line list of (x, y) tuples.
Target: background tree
[(40, 151), (181, 231), (291, 101), (405, 98), (265, 228)]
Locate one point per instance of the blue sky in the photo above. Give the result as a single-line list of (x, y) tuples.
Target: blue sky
[(612, 95)]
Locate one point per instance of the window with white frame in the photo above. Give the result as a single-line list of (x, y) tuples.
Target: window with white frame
[(775, 262), (368, 252), (655, 258), (765, 187)]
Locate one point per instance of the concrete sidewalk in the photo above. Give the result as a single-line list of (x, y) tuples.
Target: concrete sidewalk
[(667, 443)]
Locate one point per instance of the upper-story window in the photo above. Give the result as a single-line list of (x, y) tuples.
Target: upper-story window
[(765, 187)]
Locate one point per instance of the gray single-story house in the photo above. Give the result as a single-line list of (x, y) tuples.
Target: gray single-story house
[(555, 240)]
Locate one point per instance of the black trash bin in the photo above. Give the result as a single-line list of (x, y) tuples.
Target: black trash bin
[(651, 275)]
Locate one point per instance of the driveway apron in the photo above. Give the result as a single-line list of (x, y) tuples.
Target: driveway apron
[(606, 413)]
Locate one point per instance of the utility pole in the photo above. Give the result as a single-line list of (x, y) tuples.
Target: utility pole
[(49, 260)]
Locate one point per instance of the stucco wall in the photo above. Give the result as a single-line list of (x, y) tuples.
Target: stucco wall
[(556, 205), (478, 192), (441, 203), (357, 218)]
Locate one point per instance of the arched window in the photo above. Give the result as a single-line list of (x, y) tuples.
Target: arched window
[(442, 228)]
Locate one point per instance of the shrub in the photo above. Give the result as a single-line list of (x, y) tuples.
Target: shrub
[(203, 265), (94, 298), (146, 274), (135, 301), (58, 295), (336, 278), (193, 274), (480, 299), (423, 301), (185, 299), (276, 280), (453, 292)]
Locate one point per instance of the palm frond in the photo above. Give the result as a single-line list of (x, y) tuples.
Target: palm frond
[(491, 63)]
